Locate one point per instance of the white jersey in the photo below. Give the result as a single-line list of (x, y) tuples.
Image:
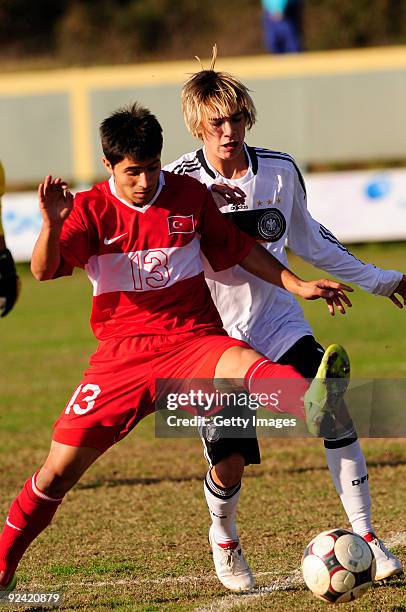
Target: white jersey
[(275, 213)]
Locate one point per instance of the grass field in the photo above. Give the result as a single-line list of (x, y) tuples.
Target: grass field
[(133, 534)]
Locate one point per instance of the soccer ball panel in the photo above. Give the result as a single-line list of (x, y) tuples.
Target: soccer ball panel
[(342, 581), (353, 553), (354, 593), (324, 545), (315, 574), (322, 533)]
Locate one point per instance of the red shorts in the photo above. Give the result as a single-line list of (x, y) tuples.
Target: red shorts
[(118, 389)]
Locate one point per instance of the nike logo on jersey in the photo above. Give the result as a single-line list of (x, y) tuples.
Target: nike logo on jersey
[(111, 240)]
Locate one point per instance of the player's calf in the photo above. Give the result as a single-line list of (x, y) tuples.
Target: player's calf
[(34, 507), (29, 514)]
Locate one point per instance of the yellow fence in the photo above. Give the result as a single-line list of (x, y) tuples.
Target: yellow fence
[(299, 80)]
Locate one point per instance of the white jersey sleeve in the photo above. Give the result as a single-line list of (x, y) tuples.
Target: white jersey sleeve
[(317, 245)]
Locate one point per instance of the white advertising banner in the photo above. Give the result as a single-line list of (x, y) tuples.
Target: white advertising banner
[(355, 206), (360, 206), (21, 223)]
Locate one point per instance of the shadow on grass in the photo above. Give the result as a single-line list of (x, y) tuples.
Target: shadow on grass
[(150, 481), (125, 482), (396, 582), (371, 463)]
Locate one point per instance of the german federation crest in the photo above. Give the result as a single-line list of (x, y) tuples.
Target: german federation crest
[(212, 433), (271, 225)]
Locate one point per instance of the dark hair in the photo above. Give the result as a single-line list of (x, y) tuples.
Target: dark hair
[(132, 131)]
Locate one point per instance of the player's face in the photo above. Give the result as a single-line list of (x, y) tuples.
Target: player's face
[(136, 181), (223, 137)]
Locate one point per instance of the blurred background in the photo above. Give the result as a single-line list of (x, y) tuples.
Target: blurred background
[(89, 32), (336, 105)]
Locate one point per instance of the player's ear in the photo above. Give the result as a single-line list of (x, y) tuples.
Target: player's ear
[(107, 165)]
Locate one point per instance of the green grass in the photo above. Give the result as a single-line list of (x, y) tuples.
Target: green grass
[(371, 329), (132, 535)]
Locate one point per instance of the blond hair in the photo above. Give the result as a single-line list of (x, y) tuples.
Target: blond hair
[(208, 91)]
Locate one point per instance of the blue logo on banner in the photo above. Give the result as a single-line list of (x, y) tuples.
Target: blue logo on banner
[(16, 223), (378, 187)]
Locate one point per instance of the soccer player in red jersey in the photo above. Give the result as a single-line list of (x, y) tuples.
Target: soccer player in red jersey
[(139, 236)]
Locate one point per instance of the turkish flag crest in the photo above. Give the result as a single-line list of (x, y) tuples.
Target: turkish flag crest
[(181, 224)]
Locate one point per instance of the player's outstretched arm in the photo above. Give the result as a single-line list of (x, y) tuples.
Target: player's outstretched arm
[(264, 265), (55, 204), (400, 290)]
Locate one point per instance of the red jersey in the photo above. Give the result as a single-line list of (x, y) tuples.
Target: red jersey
[(145, 262)]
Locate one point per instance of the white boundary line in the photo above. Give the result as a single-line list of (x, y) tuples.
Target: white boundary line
[(398, 539), (279, 584), (152, 581)]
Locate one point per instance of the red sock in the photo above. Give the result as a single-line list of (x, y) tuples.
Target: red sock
[(230, 544), (29, 514), (368, 537), (278, 387)]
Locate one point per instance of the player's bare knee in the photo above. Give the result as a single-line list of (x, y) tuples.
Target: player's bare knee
[(63, 468), (235, 362), (56, 481), (229, 471)]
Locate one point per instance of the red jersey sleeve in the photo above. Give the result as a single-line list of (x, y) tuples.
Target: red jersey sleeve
[(221, 241), (75, 241)]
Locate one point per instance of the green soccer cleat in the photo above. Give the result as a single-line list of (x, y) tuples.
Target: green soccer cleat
[(11, 585), (323, 397)]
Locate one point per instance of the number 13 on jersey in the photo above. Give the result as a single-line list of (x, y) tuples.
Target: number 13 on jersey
[(150, 269)]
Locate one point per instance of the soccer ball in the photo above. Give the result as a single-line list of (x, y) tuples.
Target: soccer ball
[(338, 566)]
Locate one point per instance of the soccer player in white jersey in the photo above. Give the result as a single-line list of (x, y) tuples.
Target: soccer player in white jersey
[(139, 236), (263, 192), (9, 281)]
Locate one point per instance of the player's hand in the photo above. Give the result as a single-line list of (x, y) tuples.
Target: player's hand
[(55, 201), (226, 194), (9, 282), (400, 290), (331, 291)]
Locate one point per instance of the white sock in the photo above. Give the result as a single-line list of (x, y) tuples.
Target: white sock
[(222, 505), (350, 476)]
